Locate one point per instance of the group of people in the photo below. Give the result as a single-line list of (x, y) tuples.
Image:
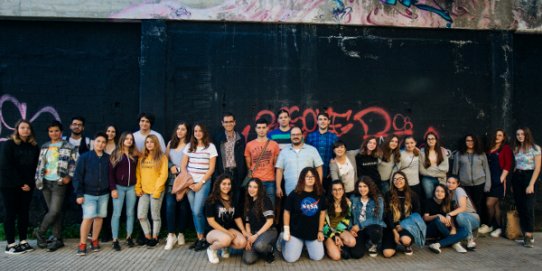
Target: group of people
[(276, 193)]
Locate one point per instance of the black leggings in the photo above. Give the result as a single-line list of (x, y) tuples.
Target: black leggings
[(371, 234), (16, 205), (524, 202), (388, 240)]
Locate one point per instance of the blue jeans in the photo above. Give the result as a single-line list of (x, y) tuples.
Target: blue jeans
[(197, 203), (176, 213), (469, 221), (428, 184), (128, 193), (291, 250), (436, 228), (270, 190)]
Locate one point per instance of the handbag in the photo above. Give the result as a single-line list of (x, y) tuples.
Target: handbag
[(250, 171), (513, 229), (181, 185)]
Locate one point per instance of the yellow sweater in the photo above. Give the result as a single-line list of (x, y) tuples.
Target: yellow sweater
[(150, 180)]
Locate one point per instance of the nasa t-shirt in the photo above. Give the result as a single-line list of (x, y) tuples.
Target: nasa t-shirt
[(305, 211)]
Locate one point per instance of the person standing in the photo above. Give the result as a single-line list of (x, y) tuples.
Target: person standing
[(56, 166), (18, 161), (263, 164), (146, 121), (231, 149), (433, 164), (80, 142), (281, 134), (323, 140), (92, 192), (293, 159), (388, 163)]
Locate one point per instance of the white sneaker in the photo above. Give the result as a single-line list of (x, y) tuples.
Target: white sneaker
[(496, 233), (225, 253), (484, 229), (170, 242), (459, 248), (180, 239), (213, 256), (435, 247), (471, 245)]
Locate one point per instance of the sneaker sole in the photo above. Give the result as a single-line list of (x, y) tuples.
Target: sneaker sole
[(434, 250), (15, 253), (373, 255)]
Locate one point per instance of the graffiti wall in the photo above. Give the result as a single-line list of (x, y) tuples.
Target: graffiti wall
[(524, 15)]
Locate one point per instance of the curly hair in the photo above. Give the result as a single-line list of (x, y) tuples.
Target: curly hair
[(258, 201), (214, 196), (374, 192), (395, 202), (300, 187), (331, 200), (387, 152)]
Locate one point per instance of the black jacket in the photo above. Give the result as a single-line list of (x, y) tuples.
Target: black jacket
[(18, 164), (91, 174), (239, 152)]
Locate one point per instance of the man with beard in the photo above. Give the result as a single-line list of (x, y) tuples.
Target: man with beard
[(81, 143), (294, 158)]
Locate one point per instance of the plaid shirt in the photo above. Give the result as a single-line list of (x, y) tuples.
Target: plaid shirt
[(66, 161), (324, 144)]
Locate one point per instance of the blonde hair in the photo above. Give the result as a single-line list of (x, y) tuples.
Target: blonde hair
[(17, 138), (157, 152)]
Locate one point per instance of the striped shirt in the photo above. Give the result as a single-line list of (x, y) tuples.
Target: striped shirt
[(283, 138), (198, 161)]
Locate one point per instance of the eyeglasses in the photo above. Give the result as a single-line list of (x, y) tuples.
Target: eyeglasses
[(399, 179), (337, 189), (309, 177), (431, 138), (228, 121)]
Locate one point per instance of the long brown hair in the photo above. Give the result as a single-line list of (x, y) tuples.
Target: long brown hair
[(395, 202), (527, 143), (300, 187), (374, 193), (157, 153), (258, 202), (494, 139), (174, 142), (194, 142), (446, 204), (117, 154), (16, 137), (331, 201), (365, 150), (438, 150), (387, 152), (415, 151), (215, 196)]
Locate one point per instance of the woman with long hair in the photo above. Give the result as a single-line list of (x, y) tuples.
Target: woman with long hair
[(410, 164), (176, 211), (434, 164), (367, 159), (343, 166), (199, 160), (225, 220), (55, 170), (304, 216), (463, 211), (122, 180), (112, 138), (527, 155), (500, 158), (338, 240), (368, 215), (389, 162), (402, 217), (151, 173), (439, 225), (259, 216), (18, 162), (471, 165)]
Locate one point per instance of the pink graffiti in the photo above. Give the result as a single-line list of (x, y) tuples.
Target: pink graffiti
[(374, 121), (22, 108)]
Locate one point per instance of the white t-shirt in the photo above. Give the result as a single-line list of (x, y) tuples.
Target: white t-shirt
[(139, 140), (77, 142), (346, 171), (199, 160)]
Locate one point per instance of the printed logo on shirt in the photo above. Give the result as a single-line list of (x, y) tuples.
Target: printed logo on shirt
[(309, 206)]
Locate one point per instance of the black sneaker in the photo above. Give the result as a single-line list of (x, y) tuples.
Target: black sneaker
[(202, 245), (54, 245), (270, 256), (116, 245), (95, 246), (373, 250), (151, 243), (26, 246), (408, 251), (14, 250), (130, 242), (42, 242), (141, 241), (82, 250), (194, 245)]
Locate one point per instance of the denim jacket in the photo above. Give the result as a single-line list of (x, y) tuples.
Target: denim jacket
[(66, 162), (372, 218), (415, 225)]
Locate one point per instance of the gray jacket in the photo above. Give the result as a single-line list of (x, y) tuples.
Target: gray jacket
[(475, 173), (334, 169)]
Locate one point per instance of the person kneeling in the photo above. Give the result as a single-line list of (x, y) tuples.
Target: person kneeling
[(338, 239), (223, 216)]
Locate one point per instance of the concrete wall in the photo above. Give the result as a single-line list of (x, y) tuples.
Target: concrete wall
[(523, 15)]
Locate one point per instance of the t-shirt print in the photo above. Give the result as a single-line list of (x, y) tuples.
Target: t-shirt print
[(309, 206)]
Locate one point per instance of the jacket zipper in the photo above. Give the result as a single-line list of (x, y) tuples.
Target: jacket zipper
[(129, 168)]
